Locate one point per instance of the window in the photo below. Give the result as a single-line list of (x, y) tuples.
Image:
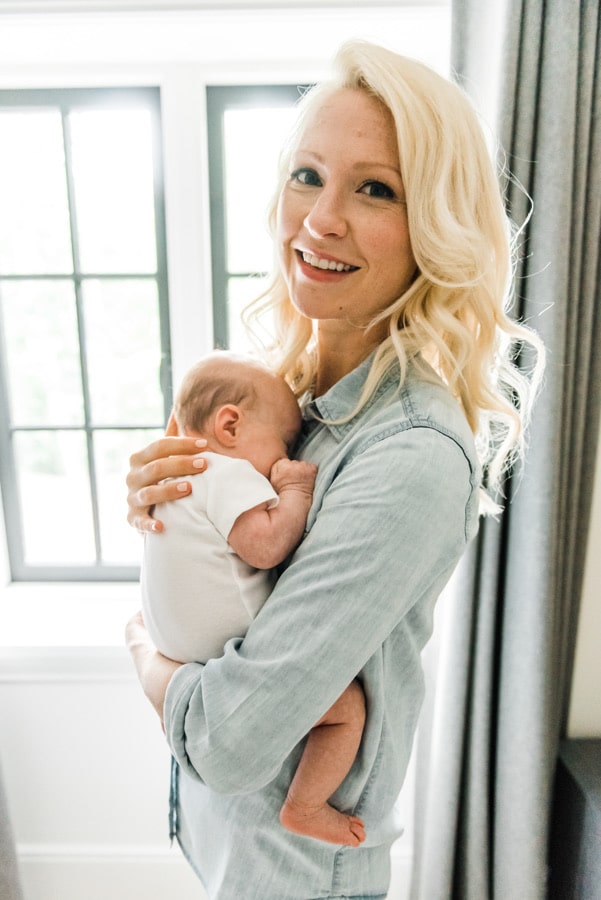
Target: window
[(246, 128), (84, 336)]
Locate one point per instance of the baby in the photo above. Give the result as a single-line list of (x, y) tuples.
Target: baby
[(206, 576)]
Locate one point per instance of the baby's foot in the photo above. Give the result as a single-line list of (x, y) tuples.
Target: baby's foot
[(323, 822)]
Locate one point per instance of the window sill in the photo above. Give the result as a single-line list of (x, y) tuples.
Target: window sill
[(67, 617)]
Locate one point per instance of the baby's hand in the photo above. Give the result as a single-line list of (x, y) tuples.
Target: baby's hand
[(293, 474)]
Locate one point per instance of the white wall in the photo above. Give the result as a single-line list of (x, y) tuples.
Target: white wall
[(87, 774)]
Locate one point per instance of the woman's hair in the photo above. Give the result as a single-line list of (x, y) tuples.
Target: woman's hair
[(454, 315)]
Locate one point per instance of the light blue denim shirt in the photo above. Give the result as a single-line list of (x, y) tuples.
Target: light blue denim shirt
[(395, 503)]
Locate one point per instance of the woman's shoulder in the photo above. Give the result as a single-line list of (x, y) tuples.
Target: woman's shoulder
[(421, 401), (428, 401), (418, 402)]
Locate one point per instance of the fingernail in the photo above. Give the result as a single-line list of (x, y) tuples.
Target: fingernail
[(182, 486), (199, 463), (153, 527), (201, 442)]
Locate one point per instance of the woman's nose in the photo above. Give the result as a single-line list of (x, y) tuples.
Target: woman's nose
[(327, 216)]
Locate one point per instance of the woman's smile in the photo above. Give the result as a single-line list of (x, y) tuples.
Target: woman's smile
[(314, 266)]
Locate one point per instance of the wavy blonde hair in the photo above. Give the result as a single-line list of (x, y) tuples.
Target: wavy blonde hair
[(454, 316)]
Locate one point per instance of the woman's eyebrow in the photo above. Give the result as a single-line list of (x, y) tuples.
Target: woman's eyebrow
[(371, 164), (356, 166)]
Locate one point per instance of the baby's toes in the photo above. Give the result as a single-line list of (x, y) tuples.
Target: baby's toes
[(357, 828)]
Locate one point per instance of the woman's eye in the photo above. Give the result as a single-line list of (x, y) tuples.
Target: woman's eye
[(378, 189), (306, 176)]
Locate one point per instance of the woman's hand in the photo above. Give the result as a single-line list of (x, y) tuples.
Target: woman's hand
[(170, 457), (154, 670)]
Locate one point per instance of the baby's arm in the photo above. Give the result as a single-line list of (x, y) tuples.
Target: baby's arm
[(264, 537)]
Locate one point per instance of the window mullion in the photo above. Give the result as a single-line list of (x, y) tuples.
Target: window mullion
[(161, 253), (217, 188), (81, 331), (10, 490)]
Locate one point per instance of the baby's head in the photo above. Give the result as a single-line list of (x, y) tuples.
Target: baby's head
[(241, 407)]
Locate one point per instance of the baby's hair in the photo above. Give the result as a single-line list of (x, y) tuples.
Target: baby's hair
[(215, 380), (453, 319)]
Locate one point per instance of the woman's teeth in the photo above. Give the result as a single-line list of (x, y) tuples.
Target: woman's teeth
[(327, 263)]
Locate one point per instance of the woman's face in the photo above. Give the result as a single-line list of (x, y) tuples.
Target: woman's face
[(342, 231)]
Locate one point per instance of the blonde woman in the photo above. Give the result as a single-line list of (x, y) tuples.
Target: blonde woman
[(390, 289)]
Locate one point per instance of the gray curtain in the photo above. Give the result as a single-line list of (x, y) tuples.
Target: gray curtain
[(487, 764), (9, 876)]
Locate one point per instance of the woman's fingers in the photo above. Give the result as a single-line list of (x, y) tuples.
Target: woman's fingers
[(143, 521), (141, 503), (170, 467), (153, 477), (132, 629), (167, 448)]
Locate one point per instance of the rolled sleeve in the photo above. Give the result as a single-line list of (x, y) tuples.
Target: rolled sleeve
[(390, 527)]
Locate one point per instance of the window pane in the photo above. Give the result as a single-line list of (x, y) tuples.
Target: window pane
[(124, 352), (34, 212), (241, 291), (84, 343), (113, 176), (120, 543), (55, 497), (42, 349), (252, 139)]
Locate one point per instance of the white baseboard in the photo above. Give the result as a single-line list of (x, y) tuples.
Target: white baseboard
[(80, 872), (62, 872)]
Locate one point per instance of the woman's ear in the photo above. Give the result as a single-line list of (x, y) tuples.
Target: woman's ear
[(226, 424)]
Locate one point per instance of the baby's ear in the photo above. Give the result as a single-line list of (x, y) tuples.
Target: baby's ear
[(226, 424)]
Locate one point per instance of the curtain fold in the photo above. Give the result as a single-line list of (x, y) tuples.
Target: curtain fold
[(504, 674)]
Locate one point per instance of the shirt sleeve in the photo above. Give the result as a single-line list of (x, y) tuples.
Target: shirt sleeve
[(234, 487), (390, 529)]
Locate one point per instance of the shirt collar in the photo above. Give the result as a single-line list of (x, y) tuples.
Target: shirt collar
[(341, 399)]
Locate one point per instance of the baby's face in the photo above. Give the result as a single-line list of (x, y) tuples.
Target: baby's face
[(271, 426)]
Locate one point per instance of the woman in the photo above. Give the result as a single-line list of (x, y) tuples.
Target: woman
[(391, 280)]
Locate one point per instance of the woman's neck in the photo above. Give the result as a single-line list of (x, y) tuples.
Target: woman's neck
[(339, 353)]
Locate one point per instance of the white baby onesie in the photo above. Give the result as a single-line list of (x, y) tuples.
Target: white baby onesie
[(196, 592)]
